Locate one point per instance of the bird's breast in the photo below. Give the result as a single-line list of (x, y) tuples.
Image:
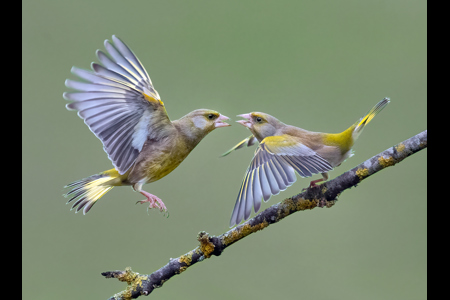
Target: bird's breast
[(157, 160)]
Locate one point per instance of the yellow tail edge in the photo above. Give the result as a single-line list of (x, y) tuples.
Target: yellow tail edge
[(85, 192), (371, 114)]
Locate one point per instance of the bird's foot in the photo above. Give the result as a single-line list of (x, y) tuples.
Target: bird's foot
[(154, 202), (313, 184)]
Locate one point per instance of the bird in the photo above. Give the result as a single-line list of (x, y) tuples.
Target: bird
[(119, 104), (285, 149)]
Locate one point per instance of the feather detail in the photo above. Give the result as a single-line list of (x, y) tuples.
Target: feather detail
[(284, 150), (347, 138), (119, 104), (250, 141), (272, 171), (369, 116), (87, 191)]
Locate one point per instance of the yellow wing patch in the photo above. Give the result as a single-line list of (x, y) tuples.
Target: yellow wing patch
[(153, 100), (280, 141)]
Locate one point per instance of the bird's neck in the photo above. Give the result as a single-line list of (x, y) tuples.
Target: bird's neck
[(190, 137)]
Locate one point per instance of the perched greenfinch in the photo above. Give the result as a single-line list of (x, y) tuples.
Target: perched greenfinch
[(119, 104), (285, 149)]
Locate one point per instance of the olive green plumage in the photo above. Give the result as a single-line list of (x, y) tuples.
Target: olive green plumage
[(118, 102), (285, 149)]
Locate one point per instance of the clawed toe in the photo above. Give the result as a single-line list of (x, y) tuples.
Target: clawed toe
[(154, 202)]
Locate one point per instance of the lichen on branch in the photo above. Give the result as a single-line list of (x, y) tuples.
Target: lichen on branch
[(324, 196)]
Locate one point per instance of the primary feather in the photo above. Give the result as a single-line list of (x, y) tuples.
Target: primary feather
[(286, 149), (118, 103), (250, 141), (272, 170)]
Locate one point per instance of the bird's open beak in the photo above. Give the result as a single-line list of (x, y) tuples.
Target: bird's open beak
[(247, 123), (220, 121)]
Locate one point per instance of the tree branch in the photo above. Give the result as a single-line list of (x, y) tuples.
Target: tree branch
[(324, 196)]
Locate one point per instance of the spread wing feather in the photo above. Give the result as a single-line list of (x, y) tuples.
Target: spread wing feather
[(250, 141), (119, 104), (272, 170)]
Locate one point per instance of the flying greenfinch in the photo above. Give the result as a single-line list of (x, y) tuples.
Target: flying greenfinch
[(283, 150), (119, 104)]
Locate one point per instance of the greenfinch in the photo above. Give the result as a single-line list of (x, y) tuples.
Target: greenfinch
[(119, 104), (283, 150)]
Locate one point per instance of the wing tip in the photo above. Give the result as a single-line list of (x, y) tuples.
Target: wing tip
[(249, 141), (70, 106), (67, 83), (117, 41), (66, 96)]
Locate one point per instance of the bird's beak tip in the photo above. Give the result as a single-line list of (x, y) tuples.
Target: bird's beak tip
[(245, 116), (220, 121), (247, 122)]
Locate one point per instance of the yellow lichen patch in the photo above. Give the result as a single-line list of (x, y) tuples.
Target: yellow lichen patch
[(233, 236), (127, 276), (125, 295), (400, 147), (206, 246), (386, 162), (303, 204), (242, 232), (286, 207), (133, 279), (138, 280), (186, 258), (402, 151), (362, 173)]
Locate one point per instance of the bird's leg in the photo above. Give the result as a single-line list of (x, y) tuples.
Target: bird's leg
[(154, 202), (152, 199), (313, 184)]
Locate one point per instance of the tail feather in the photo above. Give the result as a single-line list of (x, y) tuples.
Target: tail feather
[(87, 191), (369, 116)]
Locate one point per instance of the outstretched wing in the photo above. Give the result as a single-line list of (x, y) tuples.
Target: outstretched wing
[(250, 141), (119, 104), (272, 170)]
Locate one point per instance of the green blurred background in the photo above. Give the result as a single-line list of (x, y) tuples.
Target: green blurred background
[(319, 65)]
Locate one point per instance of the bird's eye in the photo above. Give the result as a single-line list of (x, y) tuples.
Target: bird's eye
[(211, 116), (258, 119)]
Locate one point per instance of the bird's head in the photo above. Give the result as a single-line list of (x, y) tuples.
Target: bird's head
[(260, 124), (198, 123)]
